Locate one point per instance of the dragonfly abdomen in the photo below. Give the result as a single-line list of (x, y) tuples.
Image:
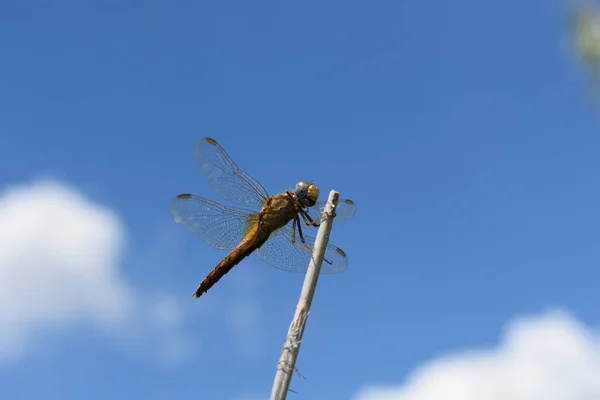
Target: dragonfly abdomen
[(253, 241)]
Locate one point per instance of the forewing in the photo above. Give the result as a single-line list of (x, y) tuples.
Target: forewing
[(220, 226), (280, 252), (226, 178), (343, 212)]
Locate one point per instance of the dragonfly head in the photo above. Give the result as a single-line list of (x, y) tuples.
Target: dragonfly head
[(308, 193)]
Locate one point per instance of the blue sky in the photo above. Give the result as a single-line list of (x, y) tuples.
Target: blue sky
[(465, 133)]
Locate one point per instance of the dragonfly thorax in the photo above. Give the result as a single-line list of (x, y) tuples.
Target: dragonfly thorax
[(307, 193)]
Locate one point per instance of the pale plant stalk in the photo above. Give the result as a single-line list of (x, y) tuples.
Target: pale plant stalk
[(291, 346)]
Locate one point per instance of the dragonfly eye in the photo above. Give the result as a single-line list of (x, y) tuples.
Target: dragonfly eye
[(301, 189), (307, 193), (312, 194)]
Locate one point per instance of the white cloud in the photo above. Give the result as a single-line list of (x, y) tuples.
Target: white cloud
[(549, 357), (60, 259)]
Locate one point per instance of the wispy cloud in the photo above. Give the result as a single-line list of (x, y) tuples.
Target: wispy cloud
[(60, 264)]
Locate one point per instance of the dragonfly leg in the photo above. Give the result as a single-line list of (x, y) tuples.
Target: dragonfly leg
[(304, 245), (294, 230), (309, 221), (300, 234), (314, 222)]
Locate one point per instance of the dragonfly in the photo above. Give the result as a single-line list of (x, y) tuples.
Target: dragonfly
[(269, 226)]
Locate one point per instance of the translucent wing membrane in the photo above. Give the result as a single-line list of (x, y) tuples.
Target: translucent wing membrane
[(280, 252), (226, 178), (344, 211), (220, 226), (225, 227)]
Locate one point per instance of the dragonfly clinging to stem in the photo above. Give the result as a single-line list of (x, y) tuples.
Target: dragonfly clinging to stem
[(270, 226)]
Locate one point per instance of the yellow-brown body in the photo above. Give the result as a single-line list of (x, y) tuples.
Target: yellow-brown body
[(277, 211)]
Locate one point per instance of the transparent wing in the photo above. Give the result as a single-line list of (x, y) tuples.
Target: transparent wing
[(344, 211), (226, 178), (280, 252), (220, 226)]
